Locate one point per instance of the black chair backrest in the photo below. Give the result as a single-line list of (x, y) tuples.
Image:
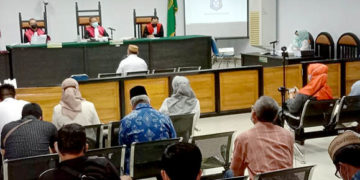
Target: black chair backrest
[(140, 23), (29, 168), (113, 133), (25, 24), (183, 125), (301, 173), (82, 18), (311, 39), (317, 113), (137, 73), (116, 155), (325, 46), (348, 110), (106, 75), (94, 136), (189, 68), (158, 71), (236, 178), (215, 149), (348, 46), (145, 158)]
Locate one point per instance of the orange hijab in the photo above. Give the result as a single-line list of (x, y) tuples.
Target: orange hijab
[(317, 87)]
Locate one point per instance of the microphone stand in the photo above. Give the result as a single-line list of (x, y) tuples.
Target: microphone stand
[(283, 89), (111, 32), (273, 49)]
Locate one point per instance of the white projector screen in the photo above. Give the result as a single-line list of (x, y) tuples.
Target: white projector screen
[(217, 18)]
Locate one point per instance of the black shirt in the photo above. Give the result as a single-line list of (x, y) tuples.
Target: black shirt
[(31, 139), (94, 167)]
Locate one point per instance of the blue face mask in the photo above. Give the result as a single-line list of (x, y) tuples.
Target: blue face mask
[(95, 24)]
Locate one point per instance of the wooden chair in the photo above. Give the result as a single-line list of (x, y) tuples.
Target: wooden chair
[(325, 46), (25, 24), (140, 23), (314, 114), (83, 16), (300, 173), (348, 46)]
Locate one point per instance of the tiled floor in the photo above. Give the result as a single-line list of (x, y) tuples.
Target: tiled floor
[(315, 150)]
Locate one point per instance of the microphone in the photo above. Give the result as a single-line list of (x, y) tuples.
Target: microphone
[(283, 48), (112, 29), (274, 42)]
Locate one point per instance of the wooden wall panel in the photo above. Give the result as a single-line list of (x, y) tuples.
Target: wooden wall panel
[(273, 79), (352, 74), (157, 89), (105, 97), (334, 79), (46, 97), (238, 90), (204, 88)]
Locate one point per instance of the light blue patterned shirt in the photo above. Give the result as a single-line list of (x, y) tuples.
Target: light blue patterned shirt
[(144, 124)]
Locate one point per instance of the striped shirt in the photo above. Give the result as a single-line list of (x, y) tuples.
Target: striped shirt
[(265, 147)]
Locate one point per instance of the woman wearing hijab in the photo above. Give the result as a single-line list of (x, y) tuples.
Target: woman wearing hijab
[(301, 40), (182, 101), (73, 108), (355, 89), (317, 88)]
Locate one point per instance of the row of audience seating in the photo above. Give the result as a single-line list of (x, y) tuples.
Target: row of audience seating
[(335, 116), (154, 71)]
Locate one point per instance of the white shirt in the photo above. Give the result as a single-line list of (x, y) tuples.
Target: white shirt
[(131, 64), (96, 31), (10, 110), (196, 111), (87, 116)]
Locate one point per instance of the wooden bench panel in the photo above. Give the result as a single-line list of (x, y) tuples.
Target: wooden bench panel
[(157, 89), (204, 88), (334, 79), (238, 89), (273, 79), (352, 74)]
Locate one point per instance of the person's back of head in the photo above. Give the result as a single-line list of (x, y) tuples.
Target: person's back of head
[(71, 140), (266, 109), (6, 91), (32, 109), (181, 161), (138, 95), (344, 150)]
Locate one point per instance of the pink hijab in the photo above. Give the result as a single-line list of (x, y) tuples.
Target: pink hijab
[(71, 98)]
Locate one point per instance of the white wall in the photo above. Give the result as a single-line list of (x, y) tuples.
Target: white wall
[(62, 22)]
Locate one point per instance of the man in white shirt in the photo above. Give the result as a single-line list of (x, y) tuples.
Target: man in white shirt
[(10, 108), (132, 63)]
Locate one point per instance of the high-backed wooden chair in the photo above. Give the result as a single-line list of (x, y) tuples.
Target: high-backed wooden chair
[(25, 24), (325, 46), (348, 46), (83, 16), (140, 23)]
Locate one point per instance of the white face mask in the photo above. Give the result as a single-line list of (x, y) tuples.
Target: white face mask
[(309, 77)]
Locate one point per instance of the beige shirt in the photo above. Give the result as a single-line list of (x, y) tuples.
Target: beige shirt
[(88, 116), (265, 147)]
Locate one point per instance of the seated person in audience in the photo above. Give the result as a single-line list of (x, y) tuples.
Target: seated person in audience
[(144, 123), (30, 136), (265, 147), (344, 151), (71, 147), (182, 101), (95, 30), (316, 88), (154, 29), (73, 108), (132, 63), (181, 161), (33, 31), (355, 89), (10, 108), (301, 41)]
